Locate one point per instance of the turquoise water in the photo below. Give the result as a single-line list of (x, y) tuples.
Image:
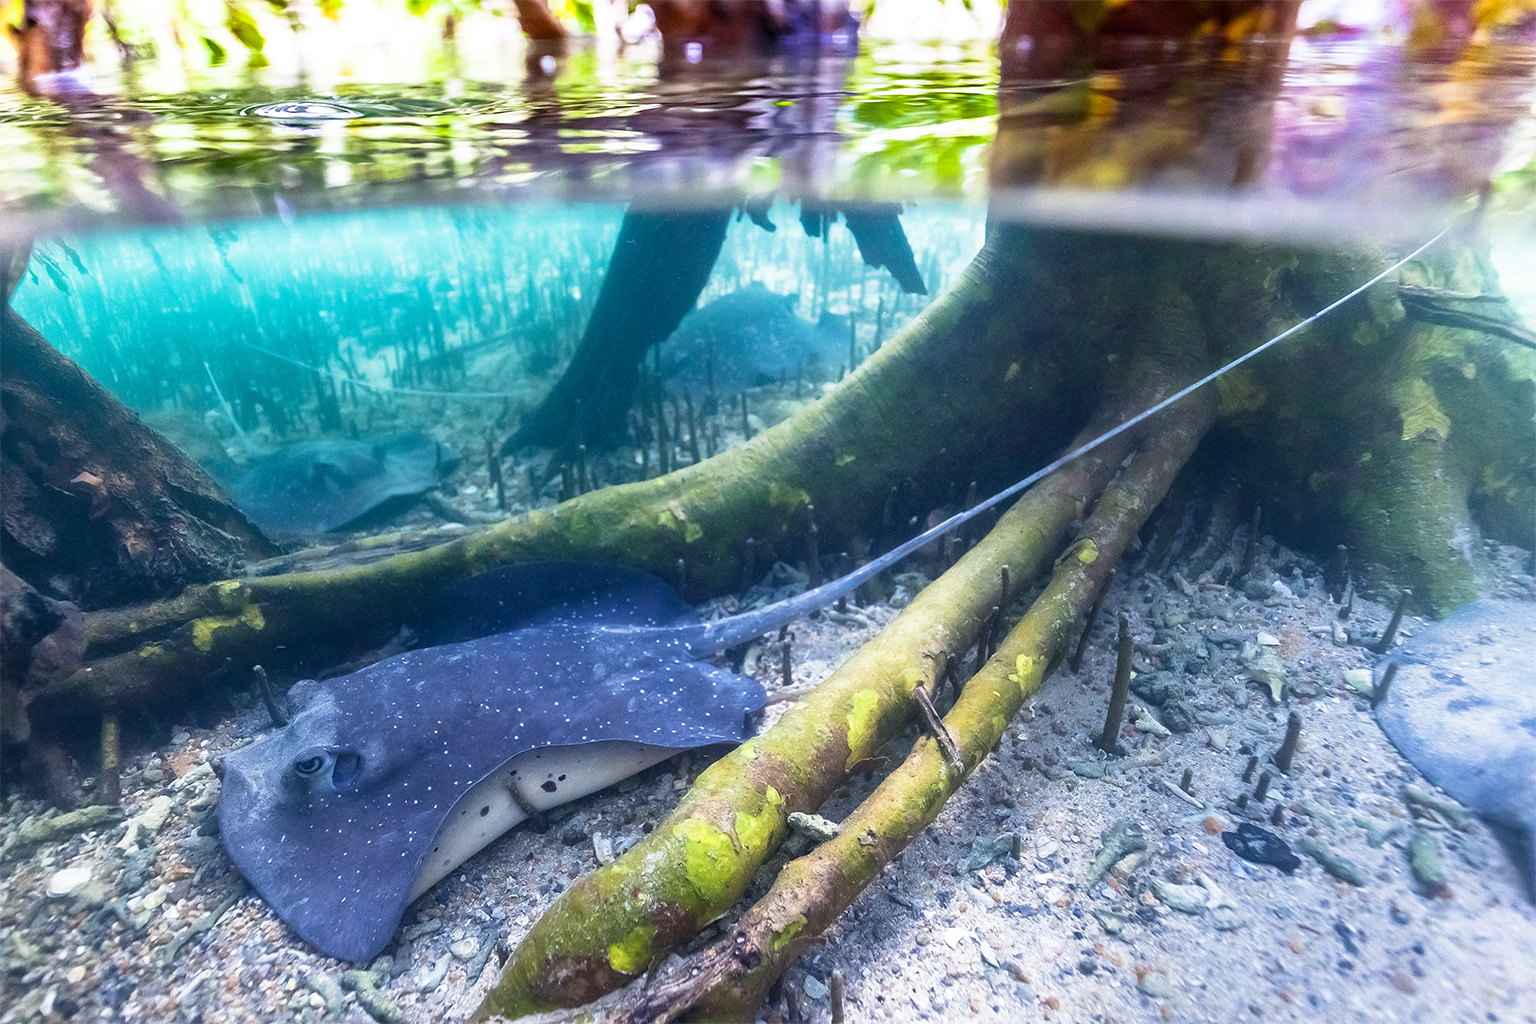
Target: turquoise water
[(407, 307)]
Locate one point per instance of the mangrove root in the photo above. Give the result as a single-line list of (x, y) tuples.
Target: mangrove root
[(887, 423)]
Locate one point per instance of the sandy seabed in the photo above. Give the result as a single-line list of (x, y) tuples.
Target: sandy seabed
[(958, 928)]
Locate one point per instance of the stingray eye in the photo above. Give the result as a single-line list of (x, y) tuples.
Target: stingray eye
[(310, 763)]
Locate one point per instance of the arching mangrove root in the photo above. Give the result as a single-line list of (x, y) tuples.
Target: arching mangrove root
[(887, 423), (611, 925)]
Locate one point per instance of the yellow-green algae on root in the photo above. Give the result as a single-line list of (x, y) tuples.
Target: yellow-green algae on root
[(633, 954), (862, 721), (713, 856), (204, 628)]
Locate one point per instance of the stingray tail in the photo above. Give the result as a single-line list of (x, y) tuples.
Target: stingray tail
[(738, 629)]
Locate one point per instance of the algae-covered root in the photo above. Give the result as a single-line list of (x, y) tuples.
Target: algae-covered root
[(886, 423)]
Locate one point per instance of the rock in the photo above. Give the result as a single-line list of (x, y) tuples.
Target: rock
[(91, 895), (1359, 680), (1226, 919), (155, 899), (1266, 640), (1178, 715), (813, 827), (1144, 720), (198, 773), (1257, 590), (1447, 808), (986, 849), (1342, 868), (1212, 609), (431, 974), (378, 1004), (1461, 708), (23, 954), (1154, 984), (465, 947), (1267, 668), (490, 935), (1260, 846), (1088, 769), (1186, 899), (1377, 831), (146, 823), (67, 881), (1424, 860), (207, 797), (35, 831), (135, 871), (815, 988), (1118, 841), (1165, 617), (602, 848), (195, 849), (420, 928), (32, 1005), (327, 988), (152, 818), (1157, 687), (1113, 923)]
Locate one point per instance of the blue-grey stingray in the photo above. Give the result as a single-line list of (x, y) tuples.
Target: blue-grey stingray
[(547, 681), (1462, 708), (319, 486), (752, 337)]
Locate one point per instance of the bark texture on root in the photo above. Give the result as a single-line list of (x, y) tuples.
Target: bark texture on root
[(98, 509), (1405, 440)]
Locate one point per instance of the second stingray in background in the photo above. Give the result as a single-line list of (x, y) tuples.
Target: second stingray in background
[(323, 485)]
